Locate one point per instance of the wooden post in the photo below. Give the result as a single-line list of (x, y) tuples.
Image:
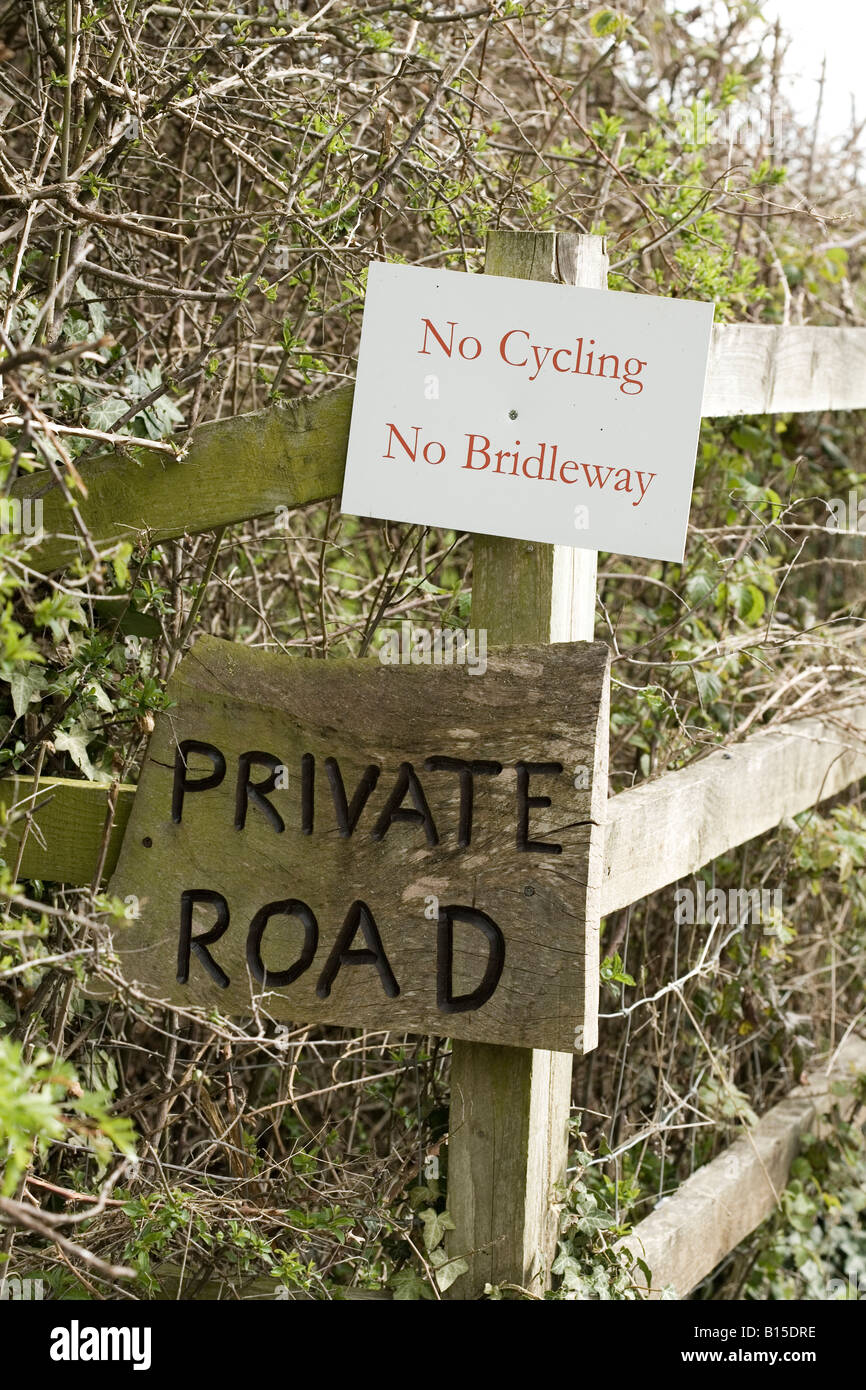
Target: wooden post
[(510, 1106)]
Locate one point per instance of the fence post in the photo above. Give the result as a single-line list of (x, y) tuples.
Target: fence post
[(510, 1106)]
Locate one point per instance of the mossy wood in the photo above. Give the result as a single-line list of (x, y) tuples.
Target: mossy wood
[(62, 825), (226, 471), (294, 831)]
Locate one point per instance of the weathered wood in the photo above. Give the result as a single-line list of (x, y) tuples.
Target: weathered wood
[(758, 369), (68, 825), (664, 830), (508, 1143), (656, 833), (692, 1231), (515, 887), (230, 470), (248, 465)]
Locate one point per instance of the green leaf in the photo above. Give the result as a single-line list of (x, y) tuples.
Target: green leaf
[(57, 612), (25, 686), (408, 1286), (612, 971), (435, 1225), (104, 414), (752, 604), (709, 686), (95, 308), (603, 22), (447, 1270), (99, 697), (747, 438), (75, 741)]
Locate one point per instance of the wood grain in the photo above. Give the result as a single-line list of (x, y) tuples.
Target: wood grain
[(692, 1231), (664, 830), (655, 833), (531, 706), (758, 369), (63, 843)]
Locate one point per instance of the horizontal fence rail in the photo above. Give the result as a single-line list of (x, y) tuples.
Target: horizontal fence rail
[(690, 1233), (664, 830), (758, 369), (230, 471), (244, 467), (62, 843)]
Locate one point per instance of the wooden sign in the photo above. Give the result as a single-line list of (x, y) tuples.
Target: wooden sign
[(416, 848), (537, 411)]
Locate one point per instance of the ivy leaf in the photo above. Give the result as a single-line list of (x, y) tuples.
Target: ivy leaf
[(103, 415), (569, 1269), (698, 585), (74, 741), (25, 686), (801, 1211), (101, 700), (408, 1286), (709, 686), (447, 1270), (435, 1225), (95, 308), (722, 1100)]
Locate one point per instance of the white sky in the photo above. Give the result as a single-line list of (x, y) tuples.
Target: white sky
[(816, 27)]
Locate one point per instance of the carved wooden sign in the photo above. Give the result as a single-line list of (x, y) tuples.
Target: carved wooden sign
[(415, 848)]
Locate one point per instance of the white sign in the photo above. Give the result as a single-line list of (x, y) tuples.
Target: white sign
[(536, 411)]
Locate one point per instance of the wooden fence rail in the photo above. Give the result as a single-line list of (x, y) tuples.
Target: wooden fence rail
[(246, 467), (714, 1210), (664, 830)]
